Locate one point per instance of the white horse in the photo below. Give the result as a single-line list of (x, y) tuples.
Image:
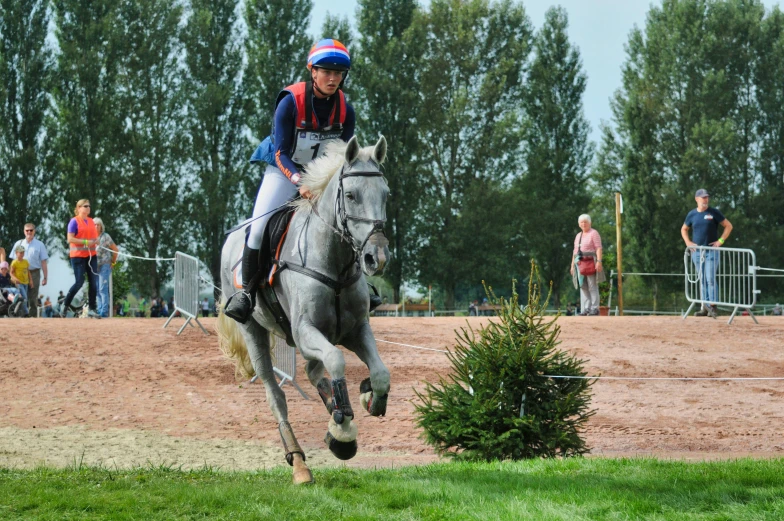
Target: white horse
[(333, 241)]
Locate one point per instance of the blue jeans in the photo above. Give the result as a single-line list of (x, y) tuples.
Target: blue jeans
[(20, 291), (104, 274), (82, 266), (707, 264)]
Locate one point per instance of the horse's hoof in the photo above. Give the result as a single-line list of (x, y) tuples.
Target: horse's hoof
[(343, 450), (342, 439), (303, 477), (377, 406), (302, 474)]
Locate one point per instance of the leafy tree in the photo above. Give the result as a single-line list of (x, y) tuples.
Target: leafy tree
[(214, 117), (339, 28), (84, 134), (470, 80), (499, 402), (276, 48), (152, 98), (387, 102), (25, 76), (685, 118), (768, 212), (553, 189)]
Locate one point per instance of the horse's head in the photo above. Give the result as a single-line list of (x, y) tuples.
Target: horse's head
[(361, 204)]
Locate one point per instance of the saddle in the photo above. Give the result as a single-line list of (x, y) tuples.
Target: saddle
[(271, 244), (269, 253)]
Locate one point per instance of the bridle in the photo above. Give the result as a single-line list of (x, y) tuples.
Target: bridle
[(344, 217)]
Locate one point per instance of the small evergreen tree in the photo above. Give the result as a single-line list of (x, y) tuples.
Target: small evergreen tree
[(499, 402)]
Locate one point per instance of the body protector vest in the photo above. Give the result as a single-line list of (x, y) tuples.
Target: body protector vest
[(310, 134)]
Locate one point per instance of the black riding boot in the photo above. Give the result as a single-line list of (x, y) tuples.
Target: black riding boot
[(240, 305)]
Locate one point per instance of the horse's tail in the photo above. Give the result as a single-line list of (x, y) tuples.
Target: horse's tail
[(232, 345)]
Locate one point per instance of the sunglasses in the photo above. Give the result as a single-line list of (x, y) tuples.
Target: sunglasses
[(85, 206), (29, 231)]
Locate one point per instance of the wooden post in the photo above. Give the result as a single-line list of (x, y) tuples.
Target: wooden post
[(111, 295), (619, 253)]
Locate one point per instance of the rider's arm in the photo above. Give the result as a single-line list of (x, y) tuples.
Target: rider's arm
[(349, 123), (284, 138)]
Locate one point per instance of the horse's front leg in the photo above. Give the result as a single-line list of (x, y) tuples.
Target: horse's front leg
[(374, 391), (257, 343), (341, 437)]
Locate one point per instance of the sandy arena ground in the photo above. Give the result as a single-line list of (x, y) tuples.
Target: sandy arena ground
[(124, 392)]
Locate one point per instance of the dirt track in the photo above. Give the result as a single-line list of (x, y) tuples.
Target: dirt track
[(125, 392)]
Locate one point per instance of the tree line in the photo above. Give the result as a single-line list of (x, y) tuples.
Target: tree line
[(151, 109)]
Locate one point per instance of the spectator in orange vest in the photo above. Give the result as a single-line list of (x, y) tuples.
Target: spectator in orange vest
[(82, 237)]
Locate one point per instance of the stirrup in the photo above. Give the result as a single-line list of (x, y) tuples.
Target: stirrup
[(375, 301), (375, 298), (240, 306)]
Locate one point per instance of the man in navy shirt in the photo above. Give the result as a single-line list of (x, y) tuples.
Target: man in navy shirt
[(704, 222)]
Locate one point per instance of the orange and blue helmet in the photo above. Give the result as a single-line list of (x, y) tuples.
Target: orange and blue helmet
[(329, 54)]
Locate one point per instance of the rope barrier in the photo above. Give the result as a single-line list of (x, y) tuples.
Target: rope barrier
[(653, 274), (638, 378), (769, 269), (134, 256), (613, 273), (697, 378), (210, 283), (413, 347)]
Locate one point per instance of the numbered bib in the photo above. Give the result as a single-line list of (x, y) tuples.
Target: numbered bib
[(310, 144)]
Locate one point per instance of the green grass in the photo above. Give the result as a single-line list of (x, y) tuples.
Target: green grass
[(570, 490)]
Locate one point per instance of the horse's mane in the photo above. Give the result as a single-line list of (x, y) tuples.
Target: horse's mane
[(319, 172)]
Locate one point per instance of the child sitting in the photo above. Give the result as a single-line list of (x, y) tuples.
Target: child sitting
[(20, 275)]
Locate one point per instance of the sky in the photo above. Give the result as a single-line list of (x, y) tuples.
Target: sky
[(599, 28)]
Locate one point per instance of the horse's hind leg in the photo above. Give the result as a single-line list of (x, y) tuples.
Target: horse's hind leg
[(257, 342)]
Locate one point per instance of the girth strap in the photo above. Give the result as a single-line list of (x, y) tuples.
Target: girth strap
[(336, 285)]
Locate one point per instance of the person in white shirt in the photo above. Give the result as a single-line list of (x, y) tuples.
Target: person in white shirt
[(37, 256)]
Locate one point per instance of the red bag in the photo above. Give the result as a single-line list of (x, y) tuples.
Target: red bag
[(585, 264)]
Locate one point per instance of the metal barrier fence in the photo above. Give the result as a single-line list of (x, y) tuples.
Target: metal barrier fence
[(186, 290), (721, 277), (284, 358)]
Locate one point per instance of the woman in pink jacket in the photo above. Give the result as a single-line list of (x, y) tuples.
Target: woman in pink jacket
[(587, 245)]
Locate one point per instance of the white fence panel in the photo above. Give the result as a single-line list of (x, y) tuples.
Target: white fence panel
[(720, 276), (186, 290)]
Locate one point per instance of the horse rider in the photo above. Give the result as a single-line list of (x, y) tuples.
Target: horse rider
[(307, 114)]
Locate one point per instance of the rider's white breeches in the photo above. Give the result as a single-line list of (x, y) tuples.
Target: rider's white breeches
[(275, 190)]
